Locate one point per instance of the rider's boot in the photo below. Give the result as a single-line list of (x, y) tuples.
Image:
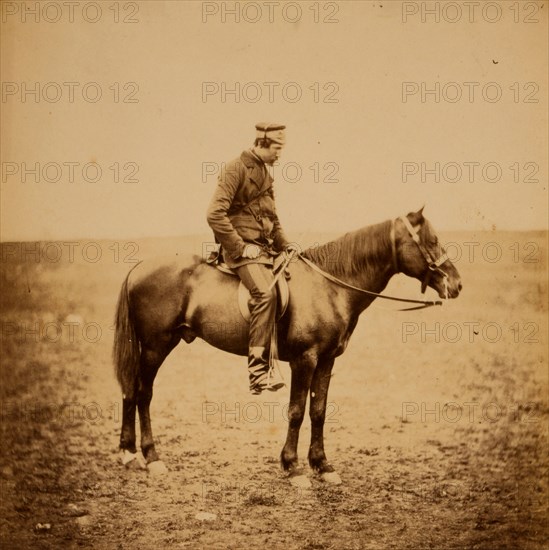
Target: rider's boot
[(262, 376)]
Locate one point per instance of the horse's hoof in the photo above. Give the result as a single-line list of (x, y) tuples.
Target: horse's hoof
[(301, 481), (132, 461), (331, 477), (157, 468)]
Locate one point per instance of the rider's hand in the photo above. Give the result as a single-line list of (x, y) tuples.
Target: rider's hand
[(251, 251), (291, 247)]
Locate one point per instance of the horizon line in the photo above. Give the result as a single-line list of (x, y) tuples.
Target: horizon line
[(200, 234)]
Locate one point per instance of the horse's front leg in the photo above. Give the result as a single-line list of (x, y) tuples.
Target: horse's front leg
[(302, 373), (317, 412)]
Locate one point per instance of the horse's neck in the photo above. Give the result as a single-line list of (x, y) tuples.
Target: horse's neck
[(374, 278), (363, 258)]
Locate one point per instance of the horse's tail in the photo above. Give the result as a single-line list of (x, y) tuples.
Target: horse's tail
[(126, 348)]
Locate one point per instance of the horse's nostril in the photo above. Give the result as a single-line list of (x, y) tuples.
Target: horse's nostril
[(460, 286)]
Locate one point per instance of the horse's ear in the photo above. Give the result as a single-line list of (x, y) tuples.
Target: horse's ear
[(416, 218)]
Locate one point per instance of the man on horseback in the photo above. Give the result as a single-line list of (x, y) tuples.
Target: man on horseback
[(243, 217)]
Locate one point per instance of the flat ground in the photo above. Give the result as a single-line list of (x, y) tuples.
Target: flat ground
[(437, 424)]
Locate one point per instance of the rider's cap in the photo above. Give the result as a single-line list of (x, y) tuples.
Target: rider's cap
[(275, 132)]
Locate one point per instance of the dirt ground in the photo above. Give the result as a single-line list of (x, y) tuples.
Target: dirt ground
[(437, 423)]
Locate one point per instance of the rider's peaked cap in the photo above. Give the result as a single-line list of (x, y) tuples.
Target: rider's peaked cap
[(274, 132)]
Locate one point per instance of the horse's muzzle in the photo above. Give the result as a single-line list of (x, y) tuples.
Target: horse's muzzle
[(453, 290)]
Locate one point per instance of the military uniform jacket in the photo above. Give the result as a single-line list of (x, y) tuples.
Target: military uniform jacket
[(234, 224)]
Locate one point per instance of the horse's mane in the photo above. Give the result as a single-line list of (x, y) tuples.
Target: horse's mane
[(354, 252)]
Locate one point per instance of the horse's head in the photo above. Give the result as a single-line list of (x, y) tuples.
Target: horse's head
[(419, 255)]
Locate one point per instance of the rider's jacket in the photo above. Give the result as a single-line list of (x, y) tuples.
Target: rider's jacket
[(243, 211)]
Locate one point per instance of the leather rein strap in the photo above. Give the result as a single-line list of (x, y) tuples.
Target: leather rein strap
[(433, 265)]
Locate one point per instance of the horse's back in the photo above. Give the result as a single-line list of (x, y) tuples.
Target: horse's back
[(167, 292), (156, 288), (163, 266)]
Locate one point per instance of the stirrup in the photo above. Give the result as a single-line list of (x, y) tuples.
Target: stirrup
[(275, 381), (267, 381)]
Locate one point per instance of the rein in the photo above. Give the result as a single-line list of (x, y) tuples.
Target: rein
[(433, 265)]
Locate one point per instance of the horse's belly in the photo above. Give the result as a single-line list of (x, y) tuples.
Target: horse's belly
[(226, 334), (213, 315)]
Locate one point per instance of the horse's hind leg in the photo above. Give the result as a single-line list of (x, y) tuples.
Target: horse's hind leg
[(130, 458), (127, 434), (317, 412), (151, 359)]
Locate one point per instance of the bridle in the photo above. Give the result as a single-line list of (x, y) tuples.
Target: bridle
[(432, 266)]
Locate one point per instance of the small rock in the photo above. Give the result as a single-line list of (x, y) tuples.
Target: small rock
[(75, 511), (84, 521), (42, 527), (205, 516)]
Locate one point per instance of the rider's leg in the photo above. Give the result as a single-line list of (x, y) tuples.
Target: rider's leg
[(257, 279)]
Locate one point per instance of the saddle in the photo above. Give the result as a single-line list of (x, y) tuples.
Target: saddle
[(282, 289)]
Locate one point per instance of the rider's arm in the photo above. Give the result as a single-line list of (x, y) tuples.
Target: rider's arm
[(222, 200)]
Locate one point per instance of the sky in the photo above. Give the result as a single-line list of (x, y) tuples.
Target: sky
[(386, 108)]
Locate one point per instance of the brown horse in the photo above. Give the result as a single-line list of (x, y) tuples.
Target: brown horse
[(162, 303)]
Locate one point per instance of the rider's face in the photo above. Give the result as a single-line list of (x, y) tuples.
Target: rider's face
[(271, 154)]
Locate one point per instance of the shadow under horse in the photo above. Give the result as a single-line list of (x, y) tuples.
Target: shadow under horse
[(163, 303)]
